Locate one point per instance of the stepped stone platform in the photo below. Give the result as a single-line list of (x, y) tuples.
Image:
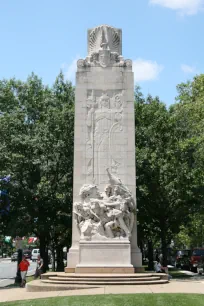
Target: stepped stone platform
[(63, 281)]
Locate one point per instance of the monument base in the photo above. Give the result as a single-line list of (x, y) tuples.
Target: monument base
[(72, 258), (106, 255), (104, 270), (136, 257)]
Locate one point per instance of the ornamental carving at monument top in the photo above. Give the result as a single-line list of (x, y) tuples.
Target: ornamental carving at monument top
[(104, 48), (108, 215), (104, 37)]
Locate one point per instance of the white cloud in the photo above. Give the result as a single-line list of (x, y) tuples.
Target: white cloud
[(184, 7), (145, 70), (70, 69), (188, 69)]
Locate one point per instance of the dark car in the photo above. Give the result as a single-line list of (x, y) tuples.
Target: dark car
[(27, 254), (14, 256), (196, 256), (183, 259)]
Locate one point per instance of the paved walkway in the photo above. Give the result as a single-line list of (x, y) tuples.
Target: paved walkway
[(173, 287), (5, 259)]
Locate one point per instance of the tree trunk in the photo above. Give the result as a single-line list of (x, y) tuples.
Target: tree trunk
[(18, 273), (44, 253), (150, 256), (164, 249), (60, 261), (141, 246), (53, 259)]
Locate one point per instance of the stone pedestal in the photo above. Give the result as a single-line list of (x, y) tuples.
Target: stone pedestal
[(104, 138), (105, 254), (111, 257)]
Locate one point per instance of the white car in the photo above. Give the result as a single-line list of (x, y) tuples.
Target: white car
[(35, 253), (200, 270)]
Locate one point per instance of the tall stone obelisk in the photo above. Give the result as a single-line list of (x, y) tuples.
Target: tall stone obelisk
[(104, 232)]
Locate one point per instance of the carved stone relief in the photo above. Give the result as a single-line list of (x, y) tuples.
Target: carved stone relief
[(106, 38), (104, 124), (107, 215), (104, 58), (104, 49)]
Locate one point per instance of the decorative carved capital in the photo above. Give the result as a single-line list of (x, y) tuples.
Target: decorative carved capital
[(128, 63), (115, 57), (81, 63), (104, 37), (104, 48)]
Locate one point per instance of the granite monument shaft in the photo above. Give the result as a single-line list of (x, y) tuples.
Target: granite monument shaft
[(104, 231)]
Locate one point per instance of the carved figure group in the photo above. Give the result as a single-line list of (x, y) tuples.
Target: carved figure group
[(105, 215)]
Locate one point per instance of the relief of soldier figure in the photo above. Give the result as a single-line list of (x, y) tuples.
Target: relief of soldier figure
[(108, 215)]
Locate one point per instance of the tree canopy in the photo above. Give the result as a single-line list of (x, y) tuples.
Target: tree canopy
[(169, 159), (36, 131)]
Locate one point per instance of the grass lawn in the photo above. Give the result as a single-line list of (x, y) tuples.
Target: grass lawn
[(117, 300), (29, 278), (179, 274), (174, 272)]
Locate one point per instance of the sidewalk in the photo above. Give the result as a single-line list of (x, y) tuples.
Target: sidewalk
[(173, 287), (5, 258)]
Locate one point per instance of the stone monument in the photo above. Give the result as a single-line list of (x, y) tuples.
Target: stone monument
[(104, 230)]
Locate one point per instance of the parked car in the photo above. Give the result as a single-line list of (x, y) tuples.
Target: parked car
[(200, 267), (196, 258), (14, 256), (35, 253), (27, 254), (183, 259)]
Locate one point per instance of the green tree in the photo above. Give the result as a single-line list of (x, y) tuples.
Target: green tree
[(188, 119), (192, 235), (163, 205), (36, 128)]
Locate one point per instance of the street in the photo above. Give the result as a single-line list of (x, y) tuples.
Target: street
[(8, 271)]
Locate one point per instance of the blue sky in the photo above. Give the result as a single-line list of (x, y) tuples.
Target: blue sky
[(164, 38)]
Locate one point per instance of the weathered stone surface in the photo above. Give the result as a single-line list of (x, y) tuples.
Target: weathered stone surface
[(104, 137)]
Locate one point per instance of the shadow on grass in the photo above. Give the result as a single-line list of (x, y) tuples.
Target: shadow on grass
[(14, 285), (177, 274)]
